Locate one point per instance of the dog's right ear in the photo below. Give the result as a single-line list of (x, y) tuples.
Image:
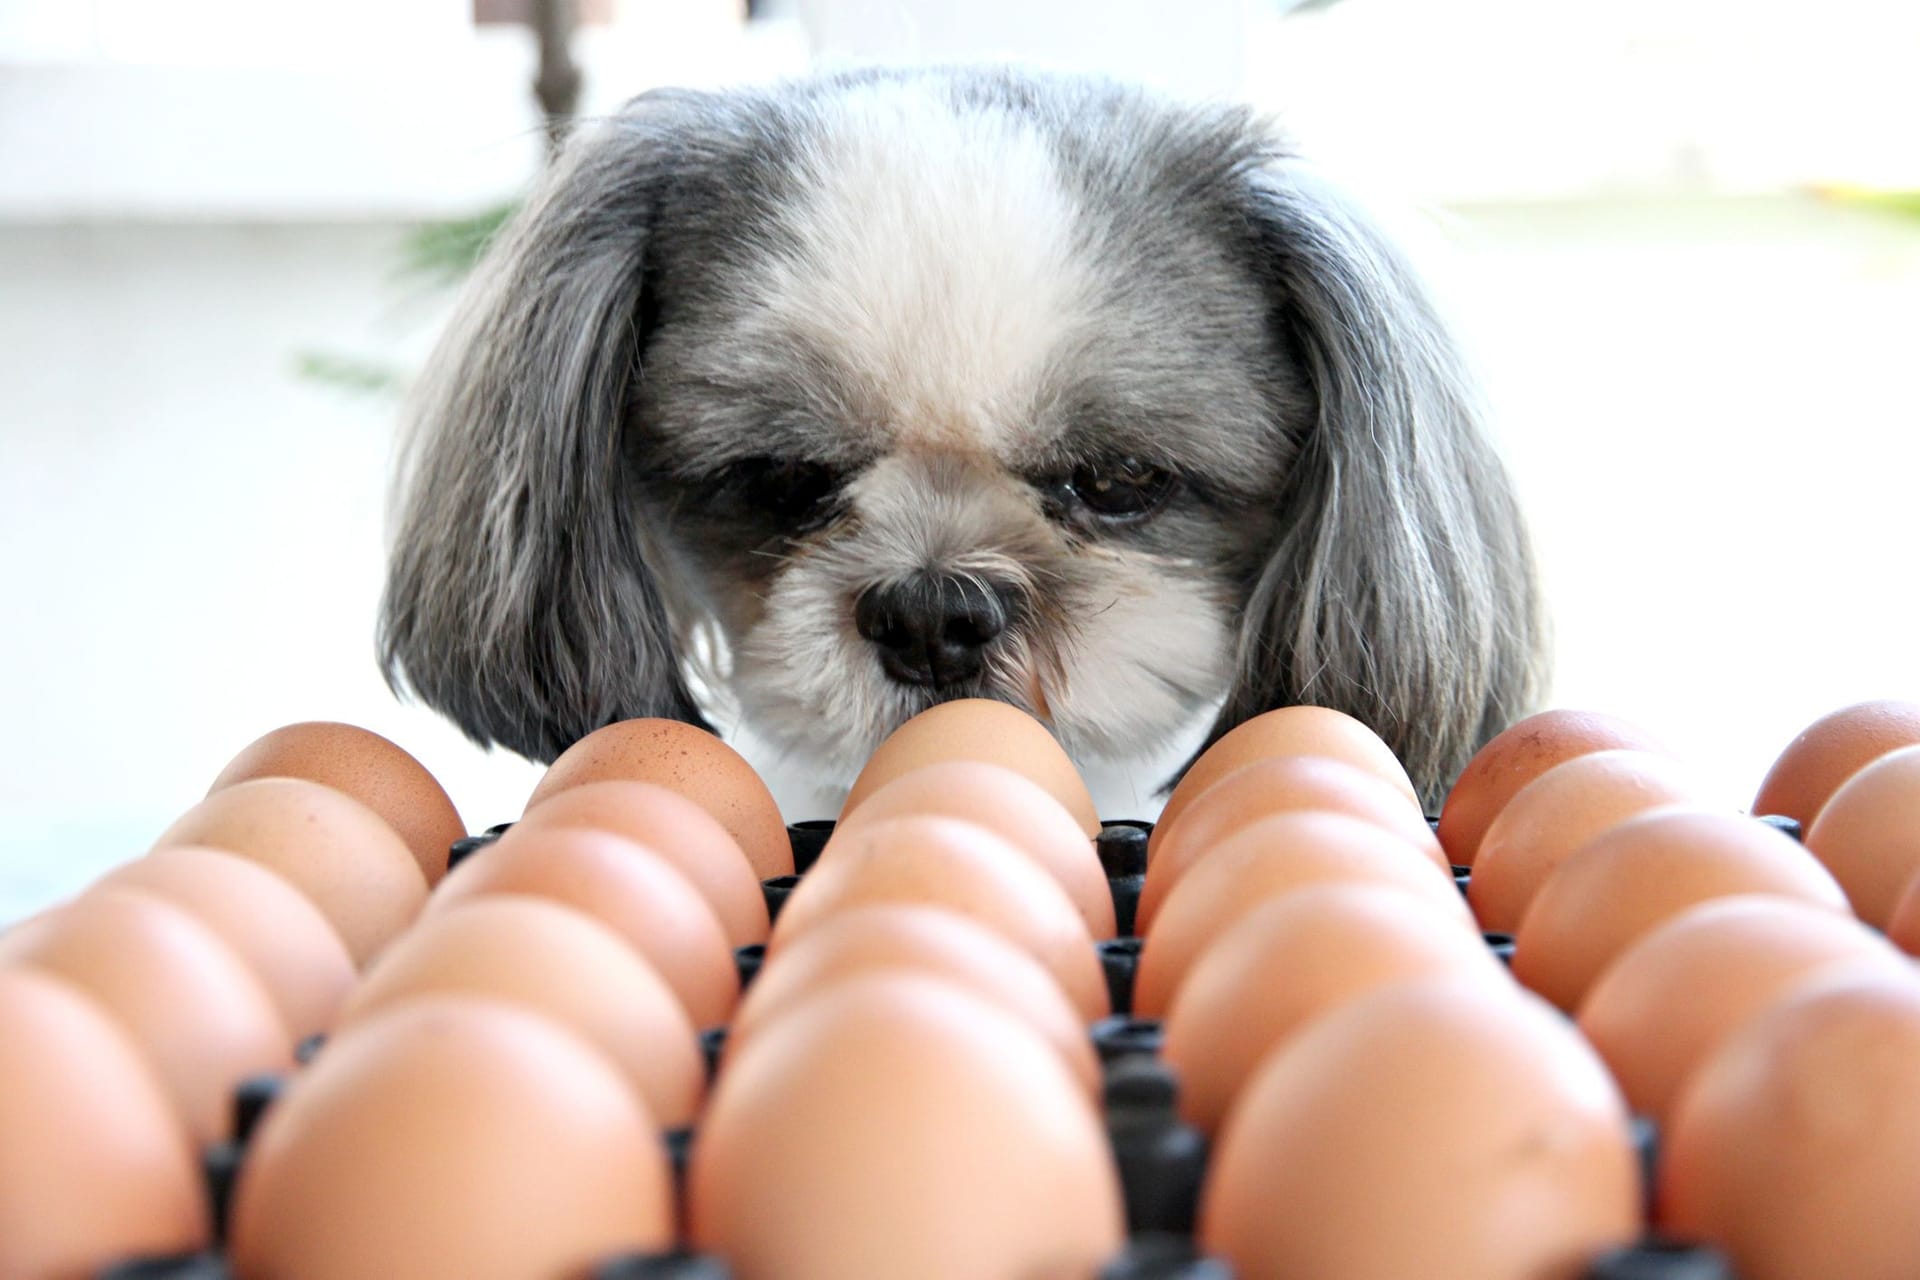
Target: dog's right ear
[(522, 599)]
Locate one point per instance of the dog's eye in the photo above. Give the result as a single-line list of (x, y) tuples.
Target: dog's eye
[(1122, 488), (787, 489)]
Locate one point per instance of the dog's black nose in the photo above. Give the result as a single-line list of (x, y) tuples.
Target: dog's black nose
[(932, 629)]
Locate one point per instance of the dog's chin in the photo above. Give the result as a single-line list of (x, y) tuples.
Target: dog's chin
[(824, 716), (827, 713)]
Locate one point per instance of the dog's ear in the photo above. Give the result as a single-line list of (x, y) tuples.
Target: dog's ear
[(1401, 587), (522, 599)]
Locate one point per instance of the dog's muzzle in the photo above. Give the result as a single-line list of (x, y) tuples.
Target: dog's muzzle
[(933, 629)]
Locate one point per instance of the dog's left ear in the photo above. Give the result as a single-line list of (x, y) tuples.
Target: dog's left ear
[(1401, 588)]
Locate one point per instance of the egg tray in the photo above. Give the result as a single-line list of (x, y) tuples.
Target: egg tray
[(1162, 1160)]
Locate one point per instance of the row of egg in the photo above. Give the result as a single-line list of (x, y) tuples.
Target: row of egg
[(309, 893), (1716, 965), (1736, 983), (916, 858), (1381, 1095)]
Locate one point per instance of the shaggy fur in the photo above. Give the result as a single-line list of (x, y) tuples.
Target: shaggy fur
[(746, 356)]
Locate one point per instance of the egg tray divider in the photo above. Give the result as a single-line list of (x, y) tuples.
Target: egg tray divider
[(1162, 1160)]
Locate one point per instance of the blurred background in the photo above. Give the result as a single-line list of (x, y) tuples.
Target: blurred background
[(1683, 236)]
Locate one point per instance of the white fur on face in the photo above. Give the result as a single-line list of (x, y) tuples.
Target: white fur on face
[(1119, 650), (934, 258), (1138, 661), (935, 261)]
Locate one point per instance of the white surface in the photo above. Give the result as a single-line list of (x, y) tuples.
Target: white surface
[(1710, 410)]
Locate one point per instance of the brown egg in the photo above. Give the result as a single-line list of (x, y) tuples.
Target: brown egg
[(1796, 1147), (1668, 1001), (1271, 858), (1020, 811), (452, 1139), (691, 761), (1284, 784), (1903, 930), (95, 1166), (899, 1125), (1831, 750), (1291, 960), (964, 868), (191, 1005), (1516, 756), (1555, 814), (1285, 731), (926, 940), (557, 962), (1635, 874), (985, 731), (636, 893), (1439, 1129), (1868, 834), (366, 766), (300, 960), (676, 829), (332, 848)]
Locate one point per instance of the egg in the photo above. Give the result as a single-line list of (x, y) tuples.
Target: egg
[(1868, 833), (1796, 1147), (1284, 784), (184, 998), (284, 939), (95, 1166), (360, 763), (918, 939), (900, 1125), (1903, 929), (1019, 810), (1669, 1000), (1266, 860), (1556, 813), (1291, 960), (451, 1139), (1446, 1130), (560, 963), (964, 868), (1285, 731), (1516, 756), (332, 848), (637, 894), (1625, 881), (1829, 751), (675, 828), (691, 761), (982, 730)]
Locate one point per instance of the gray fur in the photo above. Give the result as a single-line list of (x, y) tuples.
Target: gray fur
[(1401, 586), (695, 287)]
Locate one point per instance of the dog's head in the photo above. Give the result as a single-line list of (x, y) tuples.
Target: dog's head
[(890, 388)]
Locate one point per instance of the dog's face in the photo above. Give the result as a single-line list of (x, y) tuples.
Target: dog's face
[(914, 387), (953, 422)]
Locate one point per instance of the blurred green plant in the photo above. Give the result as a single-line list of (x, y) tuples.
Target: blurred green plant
[(444, 252), (434, 257), (1901, 204)]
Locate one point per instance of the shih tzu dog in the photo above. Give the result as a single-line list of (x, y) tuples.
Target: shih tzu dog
[(847, 397)]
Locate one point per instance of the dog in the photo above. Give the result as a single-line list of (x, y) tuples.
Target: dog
[(849, 396)]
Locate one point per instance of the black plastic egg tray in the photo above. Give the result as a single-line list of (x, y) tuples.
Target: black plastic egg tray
[(1162, 1161)]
